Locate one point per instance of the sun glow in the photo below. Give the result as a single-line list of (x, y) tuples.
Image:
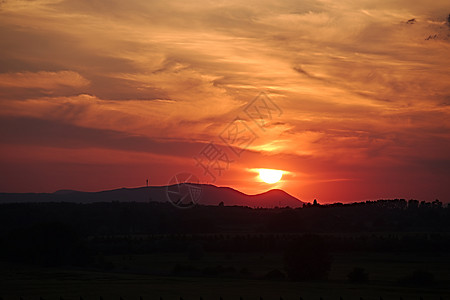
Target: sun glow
[(270, 176)]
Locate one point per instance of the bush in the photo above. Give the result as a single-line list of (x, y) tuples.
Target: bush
[(104, 264), (358, 275), (274, 275), (215, 271)]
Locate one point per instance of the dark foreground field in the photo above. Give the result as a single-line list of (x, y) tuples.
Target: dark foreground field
[(131, 250), (137, 275)]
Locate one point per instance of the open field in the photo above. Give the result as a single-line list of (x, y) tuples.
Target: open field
[(130, 250), (149, 276)]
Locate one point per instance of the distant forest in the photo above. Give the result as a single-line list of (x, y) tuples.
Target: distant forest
[(148, 227), (125, 218)]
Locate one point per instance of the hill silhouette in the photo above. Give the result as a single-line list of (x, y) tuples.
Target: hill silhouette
[(210, 195)]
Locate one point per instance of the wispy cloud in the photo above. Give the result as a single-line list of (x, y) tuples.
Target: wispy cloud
[(363, 92), (43, 80)]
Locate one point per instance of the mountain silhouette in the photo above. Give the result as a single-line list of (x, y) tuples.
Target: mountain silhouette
[(213, 195), (209, 195)]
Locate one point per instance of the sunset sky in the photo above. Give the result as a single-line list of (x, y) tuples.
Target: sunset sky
[(102, 94)]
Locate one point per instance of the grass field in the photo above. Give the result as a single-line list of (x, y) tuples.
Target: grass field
[(149, 276)]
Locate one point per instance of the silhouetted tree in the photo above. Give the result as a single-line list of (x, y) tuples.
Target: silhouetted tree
[(436, 203), (274, 275), (413, 204)]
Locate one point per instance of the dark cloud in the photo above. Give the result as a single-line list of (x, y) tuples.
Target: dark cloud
[(38, 132)]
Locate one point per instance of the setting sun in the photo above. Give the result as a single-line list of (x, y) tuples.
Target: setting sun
[(270, 176)]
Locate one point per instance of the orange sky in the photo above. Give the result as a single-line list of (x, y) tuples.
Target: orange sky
[(104, 94)]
